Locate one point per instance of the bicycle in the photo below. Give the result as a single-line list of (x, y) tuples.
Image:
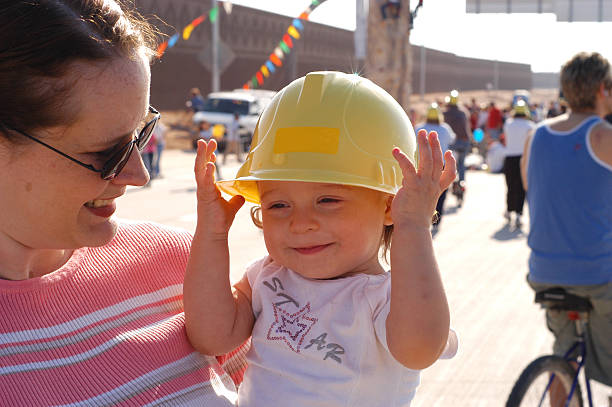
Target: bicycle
[(553, 380)]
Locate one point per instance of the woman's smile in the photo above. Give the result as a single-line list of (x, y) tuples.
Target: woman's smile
[(102, 207)]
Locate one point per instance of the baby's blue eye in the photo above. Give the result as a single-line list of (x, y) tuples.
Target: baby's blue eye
[(277, 206), (328, 200)]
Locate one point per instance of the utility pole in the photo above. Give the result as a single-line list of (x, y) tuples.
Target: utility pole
[(215, 49), (389, 55), (422, 72), (361, 33)]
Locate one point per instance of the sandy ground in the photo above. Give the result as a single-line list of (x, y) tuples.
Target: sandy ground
[(179, 121)]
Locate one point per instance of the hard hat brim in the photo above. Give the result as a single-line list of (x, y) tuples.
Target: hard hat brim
[(247, 186)]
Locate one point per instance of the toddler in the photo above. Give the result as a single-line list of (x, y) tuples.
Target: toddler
[(332, 167)]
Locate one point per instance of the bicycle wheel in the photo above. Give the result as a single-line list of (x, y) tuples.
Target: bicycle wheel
[(533, 388)]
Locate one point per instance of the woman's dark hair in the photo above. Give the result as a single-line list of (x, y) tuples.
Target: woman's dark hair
[(40, 39)]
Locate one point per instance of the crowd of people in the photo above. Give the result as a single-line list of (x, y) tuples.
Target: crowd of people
[(497, 134), (560, 159), (99, 311)]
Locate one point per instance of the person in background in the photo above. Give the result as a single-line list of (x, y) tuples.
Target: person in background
[(567, 171), (474, 111), (516, 130), (495, 121), (535, 113), (552, 111), (233, 139), (91, 308), (148, 154), (457, 119), (196, 101), (446, 135), (159, 134)]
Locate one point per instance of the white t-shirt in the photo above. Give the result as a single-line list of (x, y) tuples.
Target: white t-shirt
[(496, 155), (232, 130), (516, 131), (323, 343)]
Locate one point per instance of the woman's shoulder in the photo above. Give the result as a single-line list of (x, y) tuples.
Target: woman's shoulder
[(150, 236), (145, 249)]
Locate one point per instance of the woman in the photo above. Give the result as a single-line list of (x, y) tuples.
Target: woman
[(446, 135), (90, 309), (516, 131)]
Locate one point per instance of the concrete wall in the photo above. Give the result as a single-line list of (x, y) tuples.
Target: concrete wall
[(445, 71), (547, 80), (251, 35)]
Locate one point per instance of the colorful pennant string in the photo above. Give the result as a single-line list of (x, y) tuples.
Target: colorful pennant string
[(284, 47), (275, 60), (270, 66), (172, 41), (187, 30), (212, 15)]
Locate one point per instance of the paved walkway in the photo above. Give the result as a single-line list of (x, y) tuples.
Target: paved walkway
[(483, 264)]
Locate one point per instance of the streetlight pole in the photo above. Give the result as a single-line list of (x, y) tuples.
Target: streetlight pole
[(361, 34), (215, 50), (422, 69)]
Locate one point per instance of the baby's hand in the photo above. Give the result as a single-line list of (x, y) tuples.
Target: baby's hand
[(215, 214), (415, 202)]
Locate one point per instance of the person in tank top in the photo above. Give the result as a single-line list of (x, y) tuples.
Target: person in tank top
[(567, 171)]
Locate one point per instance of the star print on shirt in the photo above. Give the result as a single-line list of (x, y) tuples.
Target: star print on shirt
[(291, 328)]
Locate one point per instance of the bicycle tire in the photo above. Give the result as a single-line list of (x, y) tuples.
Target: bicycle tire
[(542, 368)]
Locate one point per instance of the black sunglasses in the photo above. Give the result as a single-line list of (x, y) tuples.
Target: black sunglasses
[(119, 157)]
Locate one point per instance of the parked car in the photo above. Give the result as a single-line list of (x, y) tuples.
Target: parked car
[(219, 108)]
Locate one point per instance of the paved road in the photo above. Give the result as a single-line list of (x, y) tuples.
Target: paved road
[(483, 263)]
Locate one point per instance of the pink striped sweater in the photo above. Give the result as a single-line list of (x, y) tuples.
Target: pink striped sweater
[(108, 329)]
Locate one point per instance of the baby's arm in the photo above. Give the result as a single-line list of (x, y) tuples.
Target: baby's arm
[(217, 318), (418, 321)]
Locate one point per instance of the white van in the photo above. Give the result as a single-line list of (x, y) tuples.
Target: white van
[(219, 108)]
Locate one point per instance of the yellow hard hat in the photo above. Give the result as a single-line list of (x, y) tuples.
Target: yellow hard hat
[(433, 112), (327, 127), (452, 98), (521, 108)]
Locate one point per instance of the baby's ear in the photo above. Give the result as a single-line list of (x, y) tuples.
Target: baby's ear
[(388, 200)]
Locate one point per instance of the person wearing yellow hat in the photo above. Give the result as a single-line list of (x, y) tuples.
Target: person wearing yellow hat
[(446, 135), (516, 130), (335, 169), (458, 120)]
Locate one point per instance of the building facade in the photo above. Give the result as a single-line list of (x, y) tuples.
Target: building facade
[(248, 36)]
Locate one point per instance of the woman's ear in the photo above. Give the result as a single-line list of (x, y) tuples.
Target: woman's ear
[(388, 221)]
